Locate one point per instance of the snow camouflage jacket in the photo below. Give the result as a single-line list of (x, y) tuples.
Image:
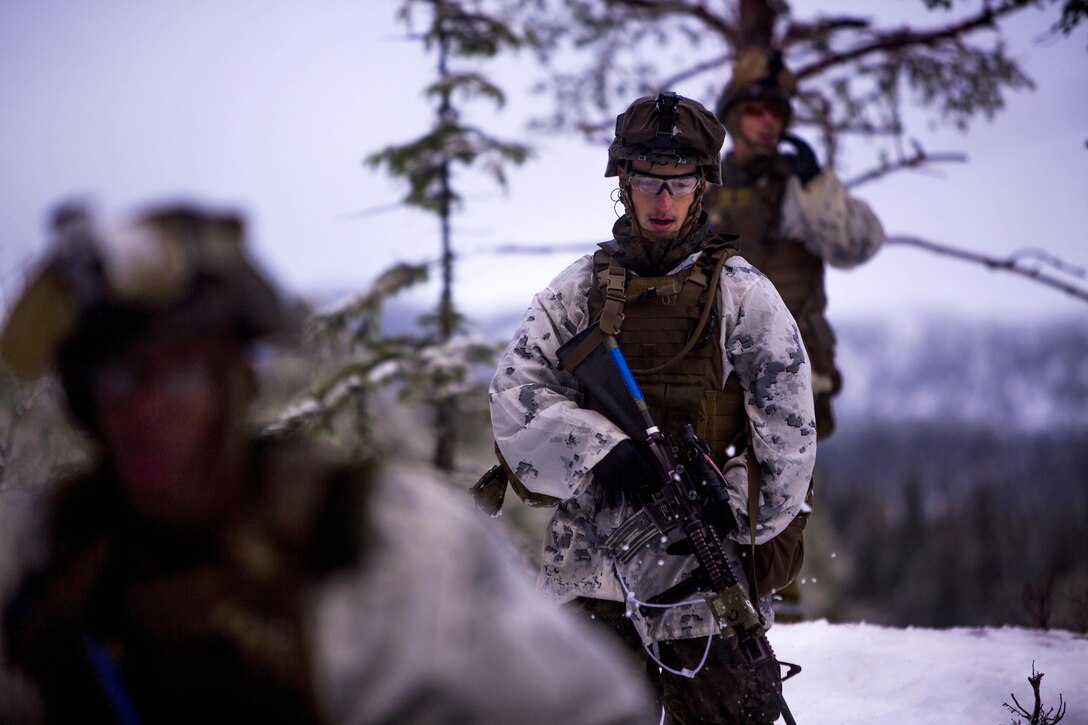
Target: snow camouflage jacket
[(436, 623), (551, 443), (835, 226)]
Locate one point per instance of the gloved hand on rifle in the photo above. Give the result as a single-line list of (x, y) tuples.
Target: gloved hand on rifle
[(803, 162), (626, 469)]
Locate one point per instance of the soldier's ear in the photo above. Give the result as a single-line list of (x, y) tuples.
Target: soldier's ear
[(621, 170)]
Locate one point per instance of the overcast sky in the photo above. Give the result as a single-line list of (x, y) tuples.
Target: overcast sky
[(270, 107)]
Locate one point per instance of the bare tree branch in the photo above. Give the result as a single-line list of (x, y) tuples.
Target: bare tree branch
[(1011, 263), (917, 159), (1045, 257), (699, 11), (1014, 263), (905, 37), (548, 248), (706, 65), (800, 31), (1036, 716)]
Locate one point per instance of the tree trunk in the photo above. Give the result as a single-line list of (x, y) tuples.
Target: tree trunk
[(755, 23), (445, 409)]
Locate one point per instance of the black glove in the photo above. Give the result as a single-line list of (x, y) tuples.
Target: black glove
[(804, 162), (720, 516), (626, 468)]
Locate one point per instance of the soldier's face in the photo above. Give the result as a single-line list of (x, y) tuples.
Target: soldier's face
[(159, 405), (659, 211), (761, 126)]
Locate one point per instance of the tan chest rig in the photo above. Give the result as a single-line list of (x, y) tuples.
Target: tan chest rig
[(671, 348), (753, 210), (669, 330)]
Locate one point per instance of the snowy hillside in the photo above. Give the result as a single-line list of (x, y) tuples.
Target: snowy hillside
[(858, 673)]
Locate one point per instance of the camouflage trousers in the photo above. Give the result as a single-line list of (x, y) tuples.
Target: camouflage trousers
[(722, 691)]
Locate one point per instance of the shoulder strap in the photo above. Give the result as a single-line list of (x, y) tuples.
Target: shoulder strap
[(754, 483), (615, 294), (613, 277)]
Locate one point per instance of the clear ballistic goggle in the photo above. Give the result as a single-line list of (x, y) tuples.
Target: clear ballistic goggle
[(653, 184)]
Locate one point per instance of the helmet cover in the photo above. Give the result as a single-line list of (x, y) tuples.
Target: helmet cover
[(668, 128)]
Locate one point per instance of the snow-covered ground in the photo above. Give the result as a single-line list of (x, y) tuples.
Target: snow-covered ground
[(861, 673)]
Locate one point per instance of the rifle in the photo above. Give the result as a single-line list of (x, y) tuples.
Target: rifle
[(690, 488)]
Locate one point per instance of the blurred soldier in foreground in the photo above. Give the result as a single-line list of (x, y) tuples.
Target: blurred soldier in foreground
[(712, 345), (196, 574), (792, 217)]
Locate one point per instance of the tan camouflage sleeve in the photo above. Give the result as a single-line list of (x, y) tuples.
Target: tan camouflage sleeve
[(548, 441), (832, 224), (763, 348)]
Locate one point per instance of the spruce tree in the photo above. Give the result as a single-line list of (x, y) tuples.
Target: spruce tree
[(433, 365)]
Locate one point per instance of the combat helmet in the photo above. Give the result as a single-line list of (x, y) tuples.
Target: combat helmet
[(173, 268), (668, 128), (758, 75)]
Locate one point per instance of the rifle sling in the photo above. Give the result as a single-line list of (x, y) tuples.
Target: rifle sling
[(611, 317), (753, 515)]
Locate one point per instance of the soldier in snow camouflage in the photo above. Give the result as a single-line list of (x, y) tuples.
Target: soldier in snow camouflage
[(739, 372)]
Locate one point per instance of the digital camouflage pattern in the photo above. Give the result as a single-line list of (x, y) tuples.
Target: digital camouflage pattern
[(790, 230), (552, 443)]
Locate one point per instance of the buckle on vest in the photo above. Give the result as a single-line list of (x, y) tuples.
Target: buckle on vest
[(616, 288)]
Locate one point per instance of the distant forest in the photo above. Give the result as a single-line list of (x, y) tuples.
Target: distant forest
[(955, 492), (938, 525)]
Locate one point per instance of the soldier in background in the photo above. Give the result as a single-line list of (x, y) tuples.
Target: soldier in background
[(197, 573), (792, 217)]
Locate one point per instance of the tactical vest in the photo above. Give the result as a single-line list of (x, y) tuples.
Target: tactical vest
[(672, 348), (752, 208), (660, 317)]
